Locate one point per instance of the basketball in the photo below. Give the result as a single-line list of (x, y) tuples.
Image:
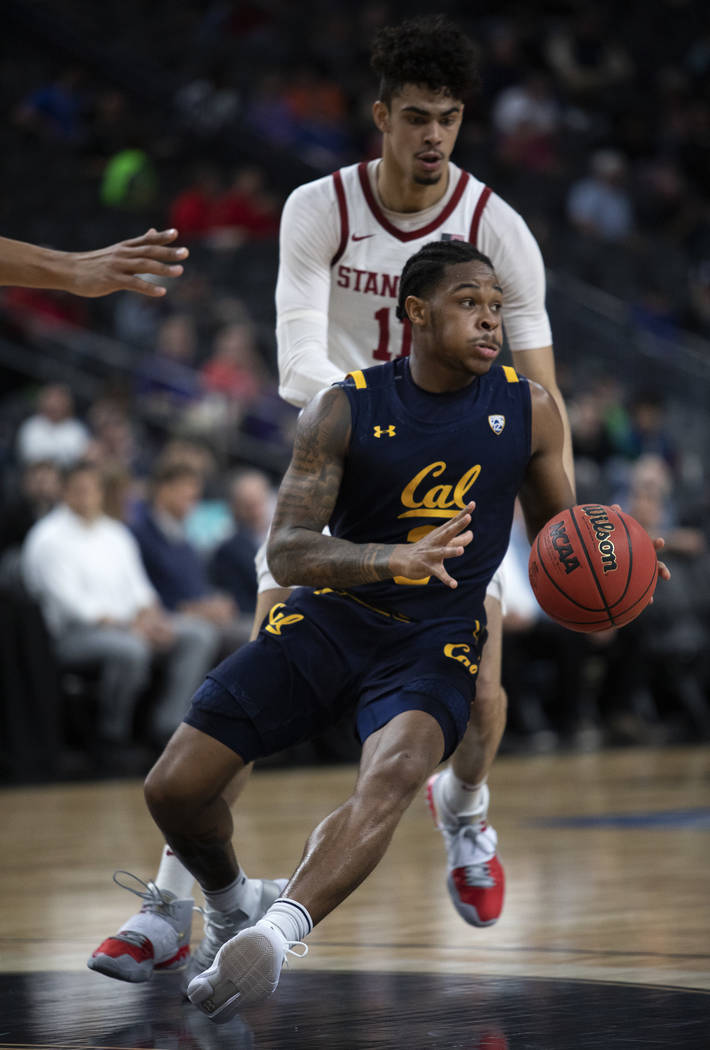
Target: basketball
[(592, 567)]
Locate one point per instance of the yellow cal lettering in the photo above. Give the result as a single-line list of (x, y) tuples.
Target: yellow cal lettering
[(438, 496), (451, 650), (408, 499), (440, 501), (278, 620), (464, 484)]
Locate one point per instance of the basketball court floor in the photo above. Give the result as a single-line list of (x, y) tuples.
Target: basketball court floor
[(604, 941)]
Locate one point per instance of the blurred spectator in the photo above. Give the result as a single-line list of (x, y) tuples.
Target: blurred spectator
[(246, 209), (85, 571), (116, 443), (55, 111), (504, 59), (167, 378), (130, 181), (592, 443), (36, 309), (53, 433), (587, 59), (526, 119), (302, 113), (599, 205), (655, 682), (209, 104), (662, 200), (649, 432), (37, 492), (234, 369), (195, 454), (231, 567), (173, 564), (112, 125), (192, 211)]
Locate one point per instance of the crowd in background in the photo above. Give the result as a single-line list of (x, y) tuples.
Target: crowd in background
[(594, 123)]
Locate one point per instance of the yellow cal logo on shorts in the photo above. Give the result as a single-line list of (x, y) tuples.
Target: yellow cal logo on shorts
[(457, 651), (277, 619)]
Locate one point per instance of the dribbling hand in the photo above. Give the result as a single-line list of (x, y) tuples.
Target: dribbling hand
[(426, 557)]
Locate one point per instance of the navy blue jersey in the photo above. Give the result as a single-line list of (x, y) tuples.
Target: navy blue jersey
[(415, 459)]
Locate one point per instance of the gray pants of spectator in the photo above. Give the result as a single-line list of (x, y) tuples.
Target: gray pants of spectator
[(125, 662)]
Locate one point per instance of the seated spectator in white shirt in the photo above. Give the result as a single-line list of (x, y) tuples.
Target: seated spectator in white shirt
[(53, 433), (85, 570)]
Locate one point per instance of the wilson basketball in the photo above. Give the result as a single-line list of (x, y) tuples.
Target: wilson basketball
[(592, 567)]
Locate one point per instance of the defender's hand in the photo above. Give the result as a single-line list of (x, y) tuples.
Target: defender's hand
[(114, 269)]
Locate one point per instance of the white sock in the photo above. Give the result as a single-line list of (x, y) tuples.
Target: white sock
[(290, 918), (463, 799), (173, 876), (243, 894)]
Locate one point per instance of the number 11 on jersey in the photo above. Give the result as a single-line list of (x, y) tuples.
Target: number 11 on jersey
[(382, 353)]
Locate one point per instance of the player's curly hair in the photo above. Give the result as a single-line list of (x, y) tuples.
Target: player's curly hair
[(431, 51), (423, 271)]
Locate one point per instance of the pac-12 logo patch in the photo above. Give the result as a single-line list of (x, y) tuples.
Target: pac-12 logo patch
[(496, 423)]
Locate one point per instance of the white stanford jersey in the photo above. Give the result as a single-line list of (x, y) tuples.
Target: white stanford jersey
[(341, 256)]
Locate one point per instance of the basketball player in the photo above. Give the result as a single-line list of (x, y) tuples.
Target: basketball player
[(92, 274), (344, 240), (391, 622)]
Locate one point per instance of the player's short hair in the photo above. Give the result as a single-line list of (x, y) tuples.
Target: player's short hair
[(423, 271), (430, 51)]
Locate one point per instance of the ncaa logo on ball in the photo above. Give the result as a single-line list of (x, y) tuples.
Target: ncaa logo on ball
[(563, 548), (496, 423)]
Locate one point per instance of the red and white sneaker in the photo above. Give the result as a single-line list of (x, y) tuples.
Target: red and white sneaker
[(156, 939), (476, 880)]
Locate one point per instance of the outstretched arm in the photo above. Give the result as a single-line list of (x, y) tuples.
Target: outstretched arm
[(96, 273), (299, 553)]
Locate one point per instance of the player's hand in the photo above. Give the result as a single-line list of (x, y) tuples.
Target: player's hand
[(659, 543), (663, 571), (114, 269), (426, 557)]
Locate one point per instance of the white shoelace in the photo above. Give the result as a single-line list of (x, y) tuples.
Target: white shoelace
[(151, 894), (290, 945)]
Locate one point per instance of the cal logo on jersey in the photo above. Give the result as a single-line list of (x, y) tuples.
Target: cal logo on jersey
[(496, 423), (278, 620)]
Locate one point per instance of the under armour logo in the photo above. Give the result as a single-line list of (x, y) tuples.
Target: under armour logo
[(380, 431), (278, 620)]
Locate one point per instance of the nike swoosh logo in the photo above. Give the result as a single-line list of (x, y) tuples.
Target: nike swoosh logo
[(362, 237)]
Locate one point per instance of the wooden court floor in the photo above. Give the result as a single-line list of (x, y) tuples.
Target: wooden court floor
[(604, 941)]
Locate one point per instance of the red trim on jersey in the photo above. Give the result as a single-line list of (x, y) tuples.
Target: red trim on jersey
[(343, 209), (423, 231), (478, 212)]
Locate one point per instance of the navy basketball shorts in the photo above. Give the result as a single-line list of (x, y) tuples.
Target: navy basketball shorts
[(323, 654)]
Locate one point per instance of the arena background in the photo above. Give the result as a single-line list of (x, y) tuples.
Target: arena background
[(594, 122), (124, 115)]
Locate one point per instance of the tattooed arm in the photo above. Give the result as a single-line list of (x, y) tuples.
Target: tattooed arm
[(299, 553)]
